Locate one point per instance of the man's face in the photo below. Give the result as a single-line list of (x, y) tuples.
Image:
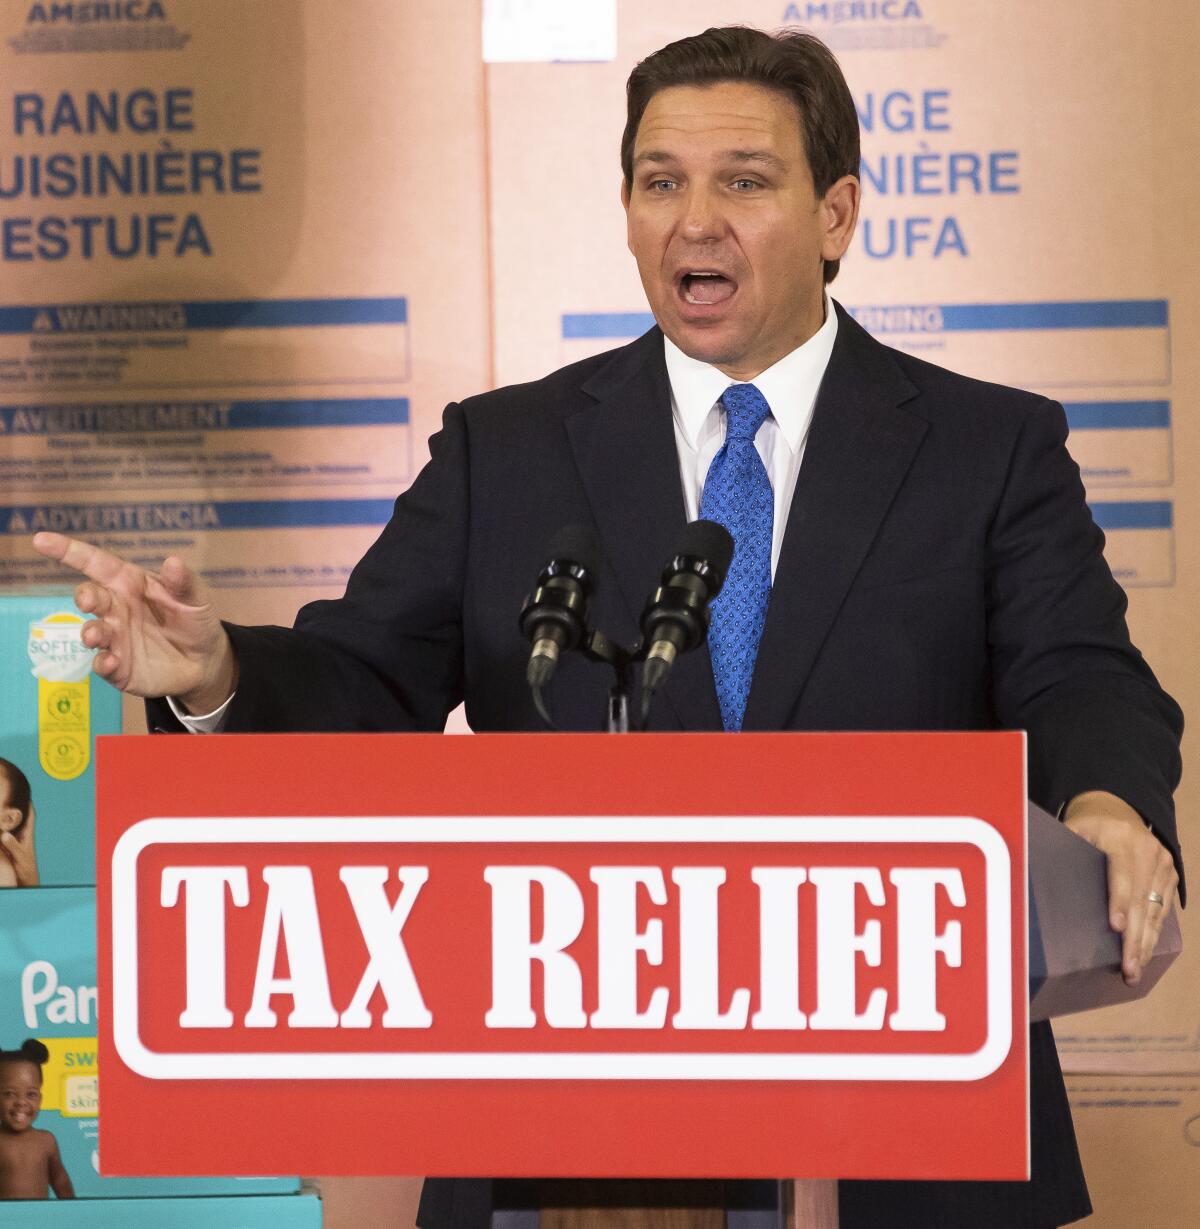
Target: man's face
[(20, 1095), (727, 230)]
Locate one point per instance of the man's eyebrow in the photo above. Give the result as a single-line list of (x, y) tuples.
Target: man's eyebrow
[(653, 155), (755, 155), (760, 156)]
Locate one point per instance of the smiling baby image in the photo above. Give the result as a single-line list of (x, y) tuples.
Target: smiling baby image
[(30, 1164)]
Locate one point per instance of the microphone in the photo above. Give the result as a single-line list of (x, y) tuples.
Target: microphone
[(675, 619), (554, 616)]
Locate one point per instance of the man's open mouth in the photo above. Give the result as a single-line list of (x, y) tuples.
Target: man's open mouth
[(703, 286)]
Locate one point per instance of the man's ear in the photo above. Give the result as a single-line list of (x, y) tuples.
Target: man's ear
[(839, 209), (10, 819), (625, 206)]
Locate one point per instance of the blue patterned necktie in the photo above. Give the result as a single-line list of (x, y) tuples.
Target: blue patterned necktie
[(737, 494)]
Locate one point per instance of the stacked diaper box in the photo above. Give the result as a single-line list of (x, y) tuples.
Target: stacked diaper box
[(52, 707)]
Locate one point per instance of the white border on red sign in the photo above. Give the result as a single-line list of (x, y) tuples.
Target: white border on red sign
[(554, 830)]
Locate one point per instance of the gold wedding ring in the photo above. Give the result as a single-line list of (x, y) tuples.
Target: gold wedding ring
[(1155, 898)]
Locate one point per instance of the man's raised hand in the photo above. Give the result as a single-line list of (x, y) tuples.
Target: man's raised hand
[(157, 632)]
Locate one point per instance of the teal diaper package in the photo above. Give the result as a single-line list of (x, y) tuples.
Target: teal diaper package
[(48, 995), (51, 708)]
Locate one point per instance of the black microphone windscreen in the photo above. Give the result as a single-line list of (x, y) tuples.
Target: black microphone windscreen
[(709, 541), (576, 544)]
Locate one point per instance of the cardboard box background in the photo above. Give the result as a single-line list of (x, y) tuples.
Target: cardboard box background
[(1140, 1139), (370, 125)]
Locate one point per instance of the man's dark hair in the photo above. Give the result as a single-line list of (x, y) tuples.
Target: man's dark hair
[(792, 62), (19, 793)]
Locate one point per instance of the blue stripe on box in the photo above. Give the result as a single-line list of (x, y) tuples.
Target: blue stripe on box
[(605, 324), (90, 418), (1134, 514), (88, 318), (288, 313), (1100, 314), (1117, 415), (174, 516), (348, 412), (302, 513)]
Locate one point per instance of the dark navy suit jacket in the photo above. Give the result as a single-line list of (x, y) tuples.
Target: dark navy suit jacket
[(939, 571)]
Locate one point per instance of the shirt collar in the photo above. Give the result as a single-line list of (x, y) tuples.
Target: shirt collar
[(790, 385)]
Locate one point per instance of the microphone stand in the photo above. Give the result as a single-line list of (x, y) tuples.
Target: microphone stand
[(598, 647)]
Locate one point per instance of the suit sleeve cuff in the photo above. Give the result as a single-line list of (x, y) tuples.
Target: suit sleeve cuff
[(207, 723)]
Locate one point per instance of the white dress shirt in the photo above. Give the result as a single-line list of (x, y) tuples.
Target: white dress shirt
[(790, 387)]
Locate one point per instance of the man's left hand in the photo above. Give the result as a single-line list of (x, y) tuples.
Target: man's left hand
[(1139, 865)]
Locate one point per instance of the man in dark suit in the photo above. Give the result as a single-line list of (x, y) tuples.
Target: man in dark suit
[(923, 539)]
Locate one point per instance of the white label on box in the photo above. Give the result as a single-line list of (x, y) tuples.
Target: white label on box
[(542, 31)]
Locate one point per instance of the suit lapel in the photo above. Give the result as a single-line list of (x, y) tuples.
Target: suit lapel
[(624, 447), (860, 446)]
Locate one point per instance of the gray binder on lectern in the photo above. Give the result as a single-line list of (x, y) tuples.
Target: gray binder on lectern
[(1074, 956)]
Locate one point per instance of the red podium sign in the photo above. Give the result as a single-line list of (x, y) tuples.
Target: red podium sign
[(694, 955)]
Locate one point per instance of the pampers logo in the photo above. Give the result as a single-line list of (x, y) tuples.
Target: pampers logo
[(46, 1001), (99, 25), (848, 25)]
